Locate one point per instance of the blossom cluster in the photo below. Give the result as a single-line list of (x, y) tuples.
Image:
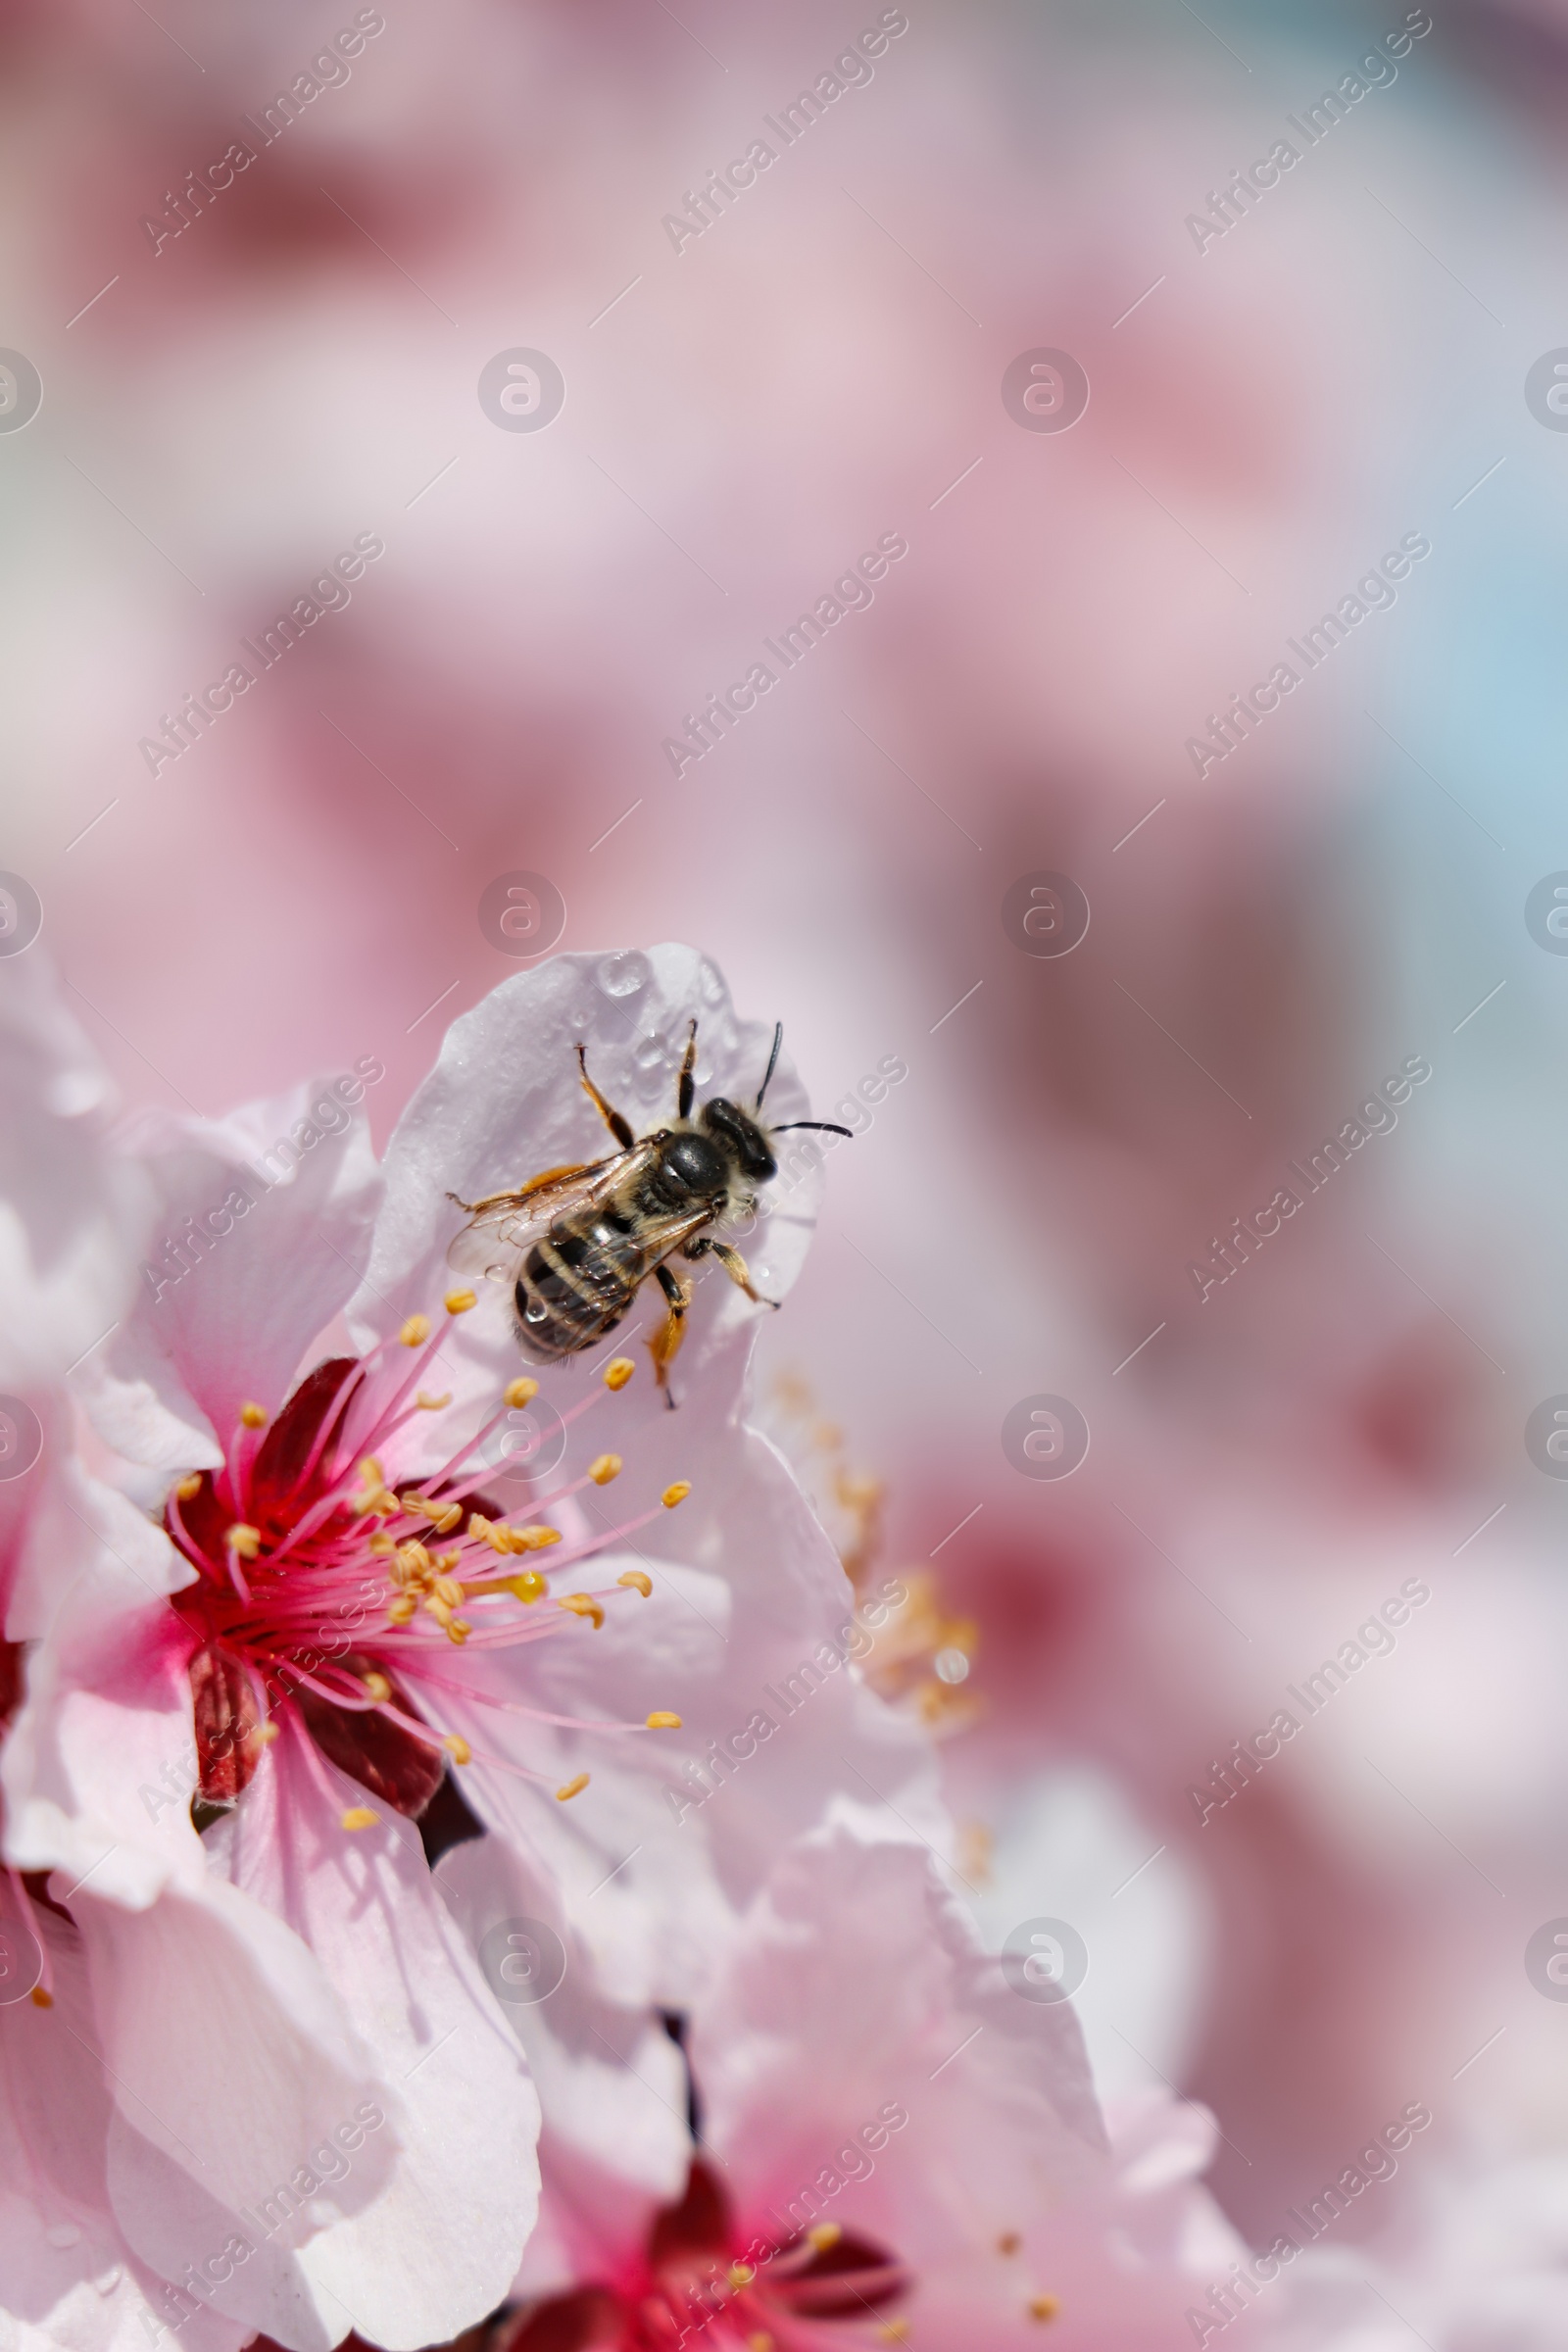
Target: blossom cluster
[(406, 1925)]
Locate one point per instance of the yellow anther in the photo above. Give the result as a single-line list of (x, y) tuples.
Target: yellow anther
[(823, 2235), (741, 2274), (432, 1405), (676, 1494), (377, 1687), (663, 1723), (519, 1391), (571, 1788), (381, 1545), (190, 1487), (458, 1748), (444, 1517), (253, 1416), (360, 1817), (414, 1560), (262, 1735), (410, 1503), (760, 2341), (246, 1541), (637, 1580), (416, 1331), (401, 1610), (42, 1999), (458, 1630), (1044, 2307), (618, 1372), (531, 1539), (894, 2332), (457, 1302), (440, 1610), (583, 1604), (371, 1472), (526, 1586), (448, 1589), (604, 1467), (480, 1524)]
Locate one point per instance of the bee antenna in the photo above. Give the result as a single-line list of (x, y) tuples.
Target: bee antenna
[(772, 1063), (824, 1126)]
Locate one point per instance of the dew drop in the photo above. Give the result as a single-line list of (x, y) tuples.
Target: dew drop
[(951, 1665), (651, 1063), (625, 975), (711, 983)]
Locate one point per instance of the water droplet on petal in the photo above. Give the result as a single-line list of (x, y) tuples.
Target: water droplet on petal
[(951, 1665), (711, 983), (625, 975)]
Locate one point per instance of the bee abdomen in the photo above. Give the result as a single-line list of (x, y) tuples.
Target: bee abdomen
[(573, 1289)]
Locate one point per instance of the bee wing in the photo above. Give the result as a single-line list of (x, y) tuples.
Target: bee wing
[(498, 1237)]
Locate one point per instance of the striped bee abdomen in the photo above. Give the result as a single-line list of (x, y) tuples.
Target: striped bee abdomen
[(577, 1284)]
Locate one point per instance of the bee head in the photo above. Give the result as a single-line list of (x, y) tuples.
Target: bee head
[(740, 1136)]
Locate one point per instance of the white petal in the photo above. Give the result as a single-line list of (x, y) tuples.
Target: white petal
[(281, 1234)]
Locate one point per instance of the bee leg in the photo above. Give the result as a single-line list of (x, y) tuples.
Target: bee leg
[(666, 1340), (618, 1127), (686, 1084), (733, 1263)]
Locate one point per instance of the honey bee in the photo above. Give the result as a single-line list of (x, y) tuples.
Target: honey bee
[(577, 1242)]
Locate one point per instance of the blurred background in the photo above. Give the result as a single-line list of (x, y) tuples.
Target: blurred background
[(267, 271)]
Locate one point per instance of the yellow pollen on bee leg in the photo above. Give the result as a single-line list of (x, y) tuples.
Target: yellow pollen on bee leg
[(604, 1467), (676, 1494), (246, 1541), (432, 1405), (416, 1331), (377, 1687), (360, 1817), (823, 2235), (618, 1372), (458, 1748), (519, 1391), (1044, 2307), (42, 1999), (583, 1604), (636, 1580), (253, 1416), (570, 1789), (189, 1488), (664, 1722), (457, 1302)]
